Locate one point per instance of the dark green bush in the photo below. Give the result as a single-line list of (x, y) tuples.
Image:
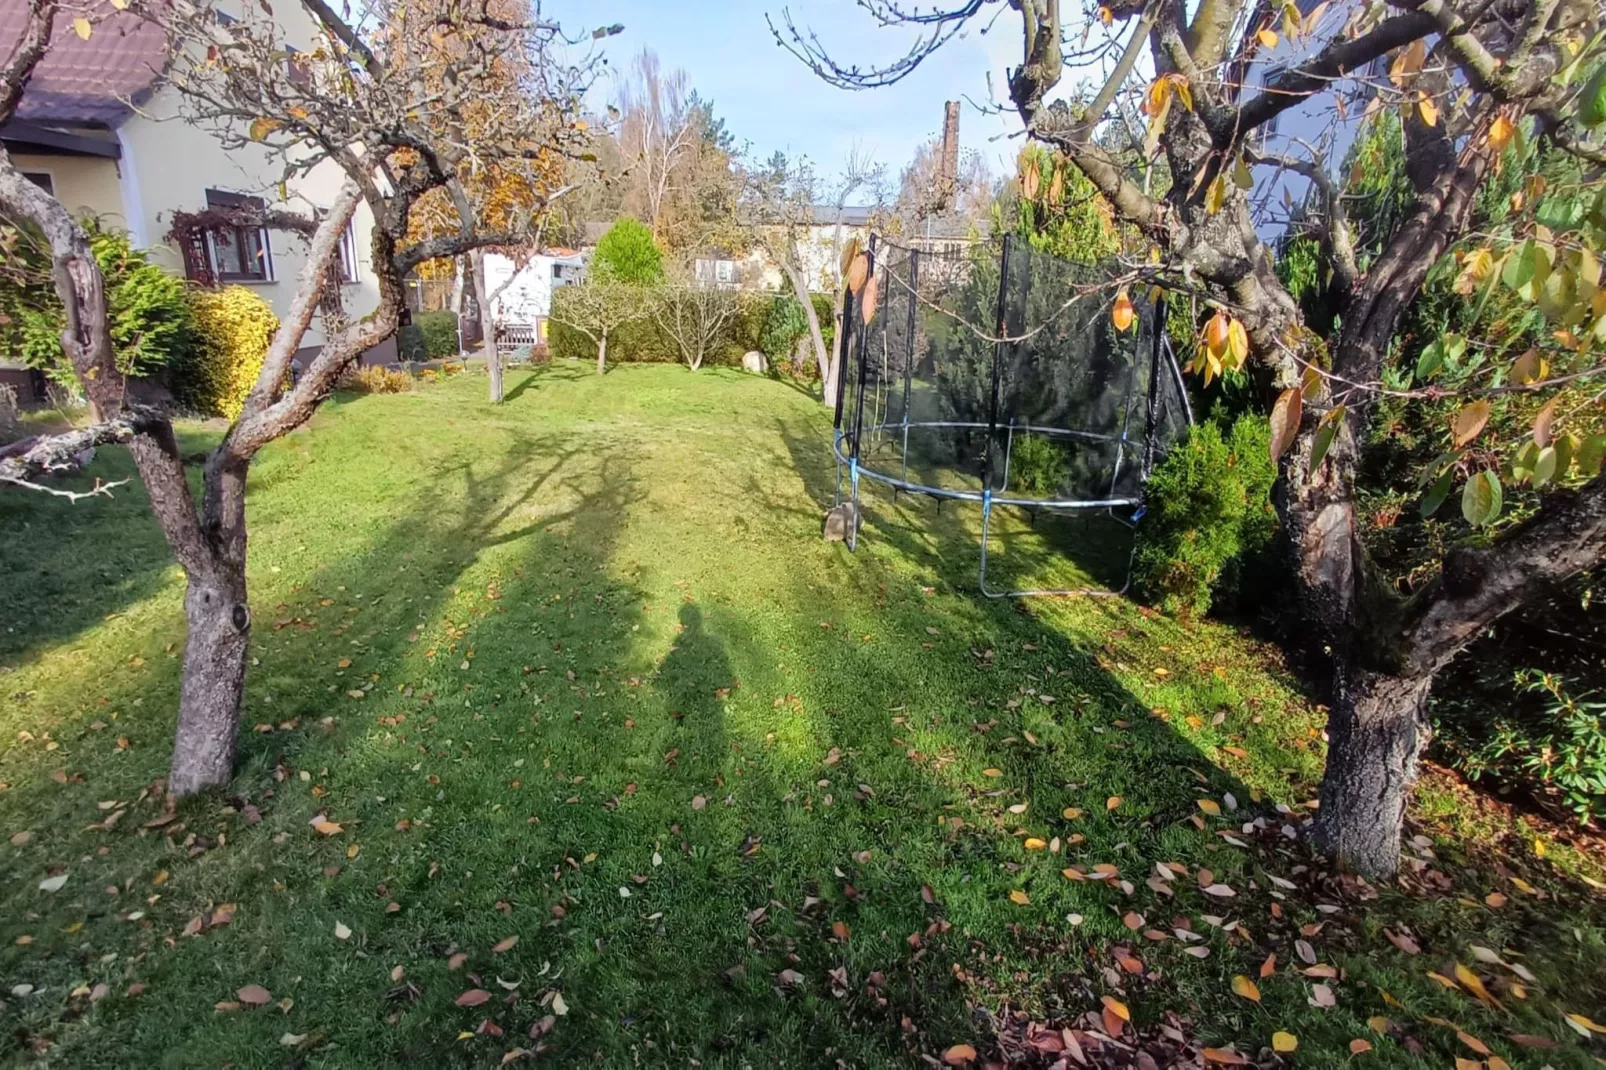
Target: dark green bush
[(440, 334), (1037, 466), (1209, 506), (152, 329)]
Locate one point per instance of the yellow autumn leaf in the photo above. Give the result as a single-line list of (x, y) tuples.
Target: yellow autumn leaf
[(1584, 1025), (1268, 37), (82, 27), (1427, 109), (1237, 342), (1071, 813), (1474, 984), (1216, 195), (1112, 802), (1280, 1041), (992, 772), (1118, 1008), (1500, 131), (1243, 986), (1034, 844), (1019, 897), (1211, 807), (262, 127)]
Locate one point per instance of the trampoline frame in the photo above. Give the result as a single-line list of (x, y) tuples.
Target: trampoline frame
[(849, 462)]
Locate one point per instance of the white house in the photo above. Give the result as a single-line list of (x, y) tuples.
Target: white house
[(522, 289), (99, 127)]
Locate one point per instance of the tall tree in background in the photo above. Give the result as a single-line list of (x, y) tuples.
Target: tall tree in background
[(360, 103), (1471, 81)]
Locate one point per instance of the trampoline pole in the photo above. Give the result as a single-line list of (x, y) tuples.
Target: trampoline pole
[(998, 361), (909, 353), (858, 416), (1009, 448)]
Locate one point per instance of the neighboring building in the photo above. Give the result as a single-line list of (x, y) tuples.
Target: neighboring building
[(99, 127), (523, 301)]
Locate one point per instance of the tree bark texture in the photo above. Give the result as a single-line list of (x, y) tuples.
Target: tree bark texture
[(216, 648), (823, 357), (602, 353), (493, 357), (1376, 730)]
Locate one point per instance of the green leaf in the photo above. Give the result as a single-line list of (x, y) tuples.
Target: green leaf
[(1592, 105), (1481, 499), (1431, 360), (1590, 455), (1545, 466), (1524, 463), (1438, 492), (1525, 270), (1325, 432)]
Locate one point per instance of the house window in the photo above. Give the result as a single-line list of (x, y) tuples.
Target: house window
[(348, 254), (41, 179), (238, 254), (724, 271)]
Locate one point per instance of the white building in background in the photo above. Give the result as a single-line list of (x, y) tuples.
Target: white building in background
[(522, 307), (99, 127)]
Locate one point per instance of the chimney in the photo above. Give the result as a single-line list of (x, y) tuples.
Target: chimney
[(948, 163)]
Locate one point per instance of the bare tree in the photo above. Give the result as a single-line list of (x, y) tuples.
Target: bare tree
[(658, 137), (596, 308), (361, 108), (695, 315), (1465, 76), (790, 209)]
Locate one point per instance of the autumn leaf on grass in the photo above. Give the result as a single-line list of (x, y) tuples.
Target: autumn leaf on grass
[(1360, 1046), (1268, 967), (1474, 984), (1211, 807), (1583, 1026), (1224, 1056), (1284, 1042), (254, 996), (1019, 897), (473, 998), (959, 1055), (505, 945), (1246, 988), (1112, 802), (342, 931)]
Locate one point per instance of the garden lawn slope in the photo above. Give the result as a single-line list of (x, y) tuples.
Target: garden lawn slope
[(565, 730)]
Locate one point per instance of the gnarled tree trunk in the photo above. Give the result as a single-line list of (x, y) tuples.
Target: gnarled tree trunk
[(216, 649)]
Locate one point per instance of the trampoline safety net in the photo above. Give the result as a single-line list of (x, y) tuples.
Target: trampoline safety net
[(994, 368)]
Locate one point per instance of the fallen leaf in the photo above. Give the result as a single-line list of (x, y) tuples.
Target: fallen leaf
[(341, 931), (1246, 988), (53, 884), (505, 945), (1360, 1046), (1583, 1026), (1284, 1042), (1211, 807), (1268, 967), (253, 996), (1112, 802), (1224, 1056), (559, 1007), (1117, 1008), (1019, 897), (1474, 984), (959, 1055), (473, 998)]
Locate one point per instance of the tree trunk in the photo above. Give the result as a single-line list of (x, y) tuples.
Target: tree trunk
[(822, 357), (215, 652), (1376, 730), (602, 353), (493, 359)]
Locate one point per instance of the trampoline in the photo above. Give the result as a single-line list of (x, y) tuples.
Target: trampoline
[(992, 374)]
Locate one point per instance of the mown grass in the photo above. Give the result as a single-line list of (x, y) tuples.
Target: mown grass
[(579, 669)]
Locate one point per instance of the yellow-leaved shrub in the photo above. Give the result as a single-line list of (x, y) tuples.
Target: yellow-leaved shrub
[(235, 326)]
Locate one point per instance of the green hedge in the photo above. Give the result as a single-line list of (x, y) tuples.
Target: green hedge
[(643, 341), (440, 333)]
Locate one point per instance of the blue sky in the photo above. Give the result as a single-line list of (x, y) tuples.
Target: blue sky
[(772, 101)]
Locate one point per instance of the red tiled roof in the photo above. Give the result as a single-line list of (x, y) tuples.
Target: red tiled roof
[(87, 83)]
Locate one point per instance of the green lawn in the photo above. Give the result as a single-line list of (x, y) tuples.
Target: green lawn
[(579, 670)]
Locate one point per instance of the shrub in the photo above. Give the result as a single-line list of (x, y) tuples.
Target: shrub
[(147, 312), (642, 340), (440, 334), (785, 324), (1037, 466), (1209, 507), (1551, 741), (233, 327), (627, 253), (377, 379)]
